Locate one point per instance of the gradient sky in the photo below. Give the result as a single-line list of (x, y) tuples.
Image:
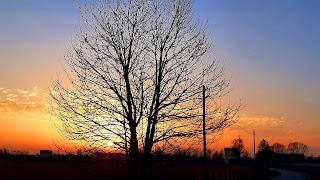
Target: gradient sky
[(270, 49)]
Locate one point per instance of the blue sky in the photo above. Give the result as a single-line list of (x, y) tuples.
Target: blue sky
[(272, 36), (268, 44)]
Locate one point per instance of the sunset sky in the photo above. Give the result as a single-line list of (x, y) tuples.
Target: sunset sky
[(270, 48)]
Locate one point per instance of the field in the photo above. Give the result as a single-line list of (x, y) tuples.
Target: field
[(195, 171), (57, 170), (109, 170)]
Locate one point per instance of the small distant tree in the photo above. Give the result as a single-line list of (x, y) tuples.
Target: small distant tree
[(158, 150), (245, 155), (263, 145), (217, 155), (195, 153), (17, 152), (238, 143), (278, 148), (179, 152), (264, 155), (297, 148), (209, 153), (4, 151)]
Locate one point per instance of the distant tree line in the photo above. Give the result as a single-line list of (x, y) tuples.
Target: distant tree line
[(197, 154), (293, 148), (5, 151)]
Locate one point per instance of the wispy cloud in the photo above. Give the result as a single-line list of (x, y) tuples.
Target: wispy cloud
[(32, 99), (4, 91), (8, 105), (31, 92), (262, 121), (12, 97), (269, 126)]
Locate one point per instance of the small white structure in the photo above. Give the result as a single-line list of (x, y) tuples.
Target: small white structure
[(231, 154), (45, 153)]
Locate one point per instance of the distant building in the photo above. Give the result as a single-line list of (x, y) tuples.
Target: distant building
[(45, 153), (231, 154)]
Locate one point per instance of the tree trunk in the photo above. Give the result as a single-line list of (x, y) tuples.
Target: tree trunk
[(133, 153), (146, 161)]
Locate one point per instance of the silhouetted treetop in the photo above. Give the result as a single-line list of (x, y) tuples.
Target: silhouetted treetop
[(263, 145), (238, 143), (297, 148), (278, 148)]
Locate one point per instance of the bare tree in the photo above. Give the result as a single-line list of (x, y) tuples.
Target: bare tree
[(238, 143), (278, 148), (297, 148), (134, 76)]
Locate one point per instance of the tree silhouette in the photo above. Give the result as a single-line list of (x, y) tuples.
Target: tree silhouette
[(278, 148), (134, 76), (297, 148), (263, 145), (264, 155), (238, 143)]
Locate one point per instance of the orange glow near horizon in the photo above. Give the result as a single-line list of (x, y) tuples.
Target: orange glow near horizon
[(26, 125)]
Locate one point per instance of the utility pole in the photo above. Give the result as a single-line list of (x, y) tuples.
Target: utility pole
[(204, 133), (254, 144)]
